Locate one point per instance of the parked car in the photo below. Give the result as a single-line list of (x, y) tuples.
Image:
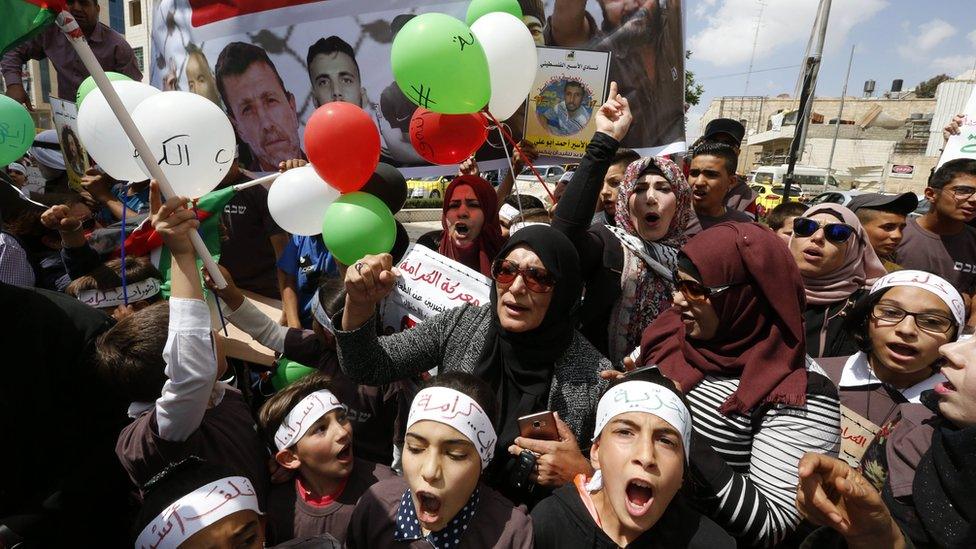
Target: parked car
[(923, 206), (834, 197), (771, 196), (805, 176), (551, 174), (428, 187)]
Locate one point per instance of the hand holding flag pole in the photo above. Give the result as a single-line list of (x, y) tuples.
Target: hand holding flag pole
[(66, 22)]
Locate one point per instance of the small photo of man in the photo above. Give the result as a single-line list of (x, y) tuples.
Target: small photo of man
[(334, 73), (570, 115)]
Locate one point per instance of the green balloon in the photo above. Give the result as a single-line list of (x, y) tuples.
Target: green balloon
[(288, 372), (16, 130), (440, 65), (477, 8), (88, 84), (358, 224)]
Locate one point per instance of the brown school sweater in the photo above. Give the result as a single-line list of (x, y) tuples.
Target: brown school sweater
[(227, 435), (496, 522), (290, 516)]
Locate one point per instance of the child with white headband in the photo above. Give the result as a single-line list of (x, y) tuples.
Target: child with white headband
[(193, 503), (311, 434), (441, 501), (640, 453)]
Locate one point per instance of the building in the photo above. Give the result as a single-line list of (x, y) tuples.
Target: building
[(889, 142)]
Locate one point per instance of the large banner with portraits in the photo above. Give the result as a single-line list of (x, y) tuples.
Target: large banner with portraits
[(271, 63)]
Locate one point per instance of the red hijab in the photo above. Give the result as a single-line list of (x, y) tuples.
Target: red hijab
[(480, 255), (760, 336)]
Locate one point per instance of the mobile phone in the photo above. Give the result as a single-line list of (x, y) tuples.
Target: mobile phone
[(540, 426)]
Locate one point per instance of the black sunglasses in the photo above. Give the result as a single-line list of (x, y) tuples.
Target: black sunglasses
[(694, 290), (837, 233), (536, 279)]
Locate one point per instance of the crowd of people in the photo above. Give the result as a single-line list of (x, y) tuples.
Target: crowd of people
[(654, 367)]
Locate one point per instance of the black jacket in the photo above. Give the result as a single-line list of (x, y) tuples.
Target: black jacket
[(561, 520), (826, 322), (601, 254)]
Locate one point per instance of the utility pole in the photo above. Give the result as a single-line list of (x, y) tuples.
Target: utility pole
[(811, 67), (755, 42), (840, 114)]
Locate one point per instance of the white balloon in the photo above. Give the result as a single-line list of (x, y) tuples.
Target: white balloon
[(191, 138), (512, 60), (298, 200), (102, 135)]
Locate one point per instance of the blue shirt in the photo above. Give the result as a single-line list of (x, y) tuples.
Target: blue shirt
[(138, 202), (307, 259)]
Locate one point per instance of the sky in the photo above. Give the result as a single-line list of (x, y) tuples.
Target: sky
[(908, 39)]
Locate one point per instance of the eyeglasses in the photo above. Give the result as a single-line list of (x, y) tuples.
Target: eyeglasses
[(838, 233), (536, 279), (962, 192), (891, 315), (694, 290)]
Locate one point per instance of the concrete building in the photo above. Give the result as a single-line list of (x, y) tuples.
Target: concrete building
[(889, 142)]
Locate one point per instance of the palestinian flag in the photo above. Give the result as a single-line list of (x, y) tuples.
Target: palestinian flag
[(146, 241), (22, 19)]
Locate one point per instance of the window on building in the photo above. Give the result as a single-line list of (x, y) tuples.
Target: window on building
[(45, 78), (135, 12), (139, 61), (116, 16)]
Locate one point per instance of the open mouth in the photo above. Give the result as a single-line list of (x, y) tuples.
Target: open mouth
[(813, 253), (944, 388), (461, 229), (699, 194), (514, 309), (652, 218), (345, 454), (902, 352), (430, 506), (640, 495)]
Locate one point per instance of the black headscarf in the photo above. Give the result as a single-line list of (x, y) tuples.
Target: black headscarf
[(519, 366)]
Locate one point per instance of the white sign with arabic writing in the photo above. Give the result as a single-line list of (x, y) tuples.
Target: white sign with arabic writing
[(963, 144), (429, 284)]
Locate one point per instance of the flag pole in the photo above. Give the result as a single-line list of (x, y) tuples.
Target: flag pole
[(66, 22)]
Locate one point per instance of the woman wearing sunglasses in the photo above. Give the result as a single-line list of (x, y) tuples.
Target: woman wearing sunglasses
[(899, 328), (838, 265), (523, 342), (734, 345), (627, 267)]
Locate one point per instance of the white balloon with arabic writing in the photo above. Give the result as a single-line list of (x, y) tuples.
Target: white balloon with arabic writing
[(192, 139), (102, 135), (512, 60)]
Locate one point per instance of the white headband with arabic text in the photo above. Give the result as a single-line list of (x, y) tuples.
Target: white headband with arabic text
[(303, 415), (457, 410)]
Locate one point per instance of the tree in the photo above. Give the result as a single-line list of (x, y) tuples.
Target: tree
[(693, 90), (927, 89)]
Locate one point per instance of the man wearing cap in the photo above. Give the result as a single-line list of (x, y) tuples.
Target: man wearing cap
[(110, 48), (883, 217), (725, 130)]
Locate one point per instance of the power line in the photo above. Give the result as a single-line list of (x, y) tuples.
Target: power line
[(747, 72)]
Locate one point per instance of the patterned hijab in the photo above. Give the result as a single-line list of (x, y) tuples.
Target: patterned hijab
[(645, 280)]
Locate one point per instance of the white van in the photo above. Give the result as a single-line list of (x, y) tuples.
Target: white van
[(807, 177)]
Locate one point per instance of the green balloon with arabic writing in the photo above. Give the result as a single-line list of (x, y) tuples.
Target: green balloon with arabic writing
[(440, 65), (16, 130)]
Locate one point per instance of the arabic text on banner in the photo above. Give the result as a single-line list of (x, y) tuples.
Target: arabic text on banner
[(429, 284)]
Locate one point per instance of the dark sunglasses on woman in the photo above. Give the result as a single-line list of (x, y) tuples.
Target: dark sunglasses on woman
[(536, 279), (694, 290), (838, 233)]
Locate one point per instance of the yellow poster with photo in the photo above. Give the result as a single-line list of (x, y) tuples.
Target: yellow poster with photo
[(569, 87), (65, 115)]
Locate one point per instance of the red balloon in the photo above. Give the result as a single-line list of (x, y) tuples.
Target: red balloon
[(447, 138), (343, 145)]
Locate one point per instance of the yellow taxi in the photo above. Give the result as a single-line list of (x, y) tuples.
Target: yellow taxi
[(428, 187), (770, 196)]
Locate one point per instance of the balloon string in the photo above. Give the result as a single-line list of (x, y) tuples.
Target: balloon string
[(524, 159), (220, 313), (511, 168), (125, 290)]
